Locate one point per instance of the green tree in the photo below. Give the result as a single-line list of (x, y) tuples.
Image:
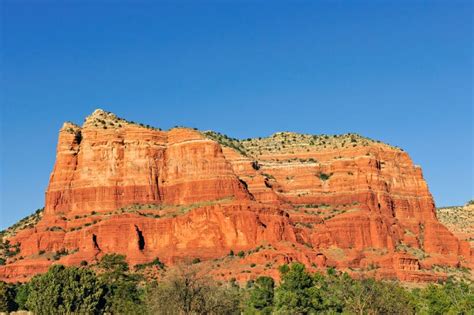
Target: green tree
[(123, 296), (328, 292), (436, 299), (293, 296), (7, 297), (22, 292), (261, 295), (65, 290), (368, 296), (391, 298), (461, 295), (454, 297)]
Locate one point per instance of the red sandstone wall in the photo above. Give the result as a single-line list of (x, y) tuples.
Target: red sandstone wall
[(374, 201)]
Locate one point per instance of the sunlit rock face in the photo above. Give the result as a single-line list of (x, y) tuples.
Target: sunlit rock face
[(343, 201)]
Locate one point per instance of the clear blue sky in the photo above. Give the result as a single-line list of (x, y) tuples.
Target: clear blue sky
[(398, 71)]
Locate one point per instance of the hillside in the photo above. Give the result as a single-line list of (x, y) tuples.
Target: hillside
[(342, 201), (459, 220)]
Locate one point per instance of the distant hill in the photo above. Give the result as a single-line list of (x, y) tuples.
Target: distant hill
[(459, 220)]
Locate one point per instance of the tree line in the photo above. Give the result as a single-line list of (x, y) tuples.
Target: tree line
[(115, 289)]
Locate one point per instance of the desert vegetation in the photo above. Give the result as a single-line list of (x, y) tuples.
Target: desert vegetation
[(459, 220), (290, 142), (111, 286), (25, 223)]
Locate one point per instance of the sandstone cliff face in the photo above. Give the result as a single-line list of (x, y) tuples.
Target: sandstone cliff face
[(342, 201), (110, 163)]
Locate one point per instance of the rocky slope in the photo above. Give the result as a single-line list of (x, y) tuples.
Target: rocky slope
[(343, 201), (459, 220)]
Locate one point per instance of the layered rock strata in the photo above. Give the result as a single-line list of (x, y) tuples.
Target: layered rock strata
[(343, 201)]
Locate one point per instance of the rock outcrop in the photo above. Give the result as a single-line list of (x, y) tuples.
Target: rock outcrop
[(343, 201)]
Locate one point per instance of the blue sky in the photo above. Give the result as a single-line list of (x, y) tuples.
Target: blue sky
[(398, 71)]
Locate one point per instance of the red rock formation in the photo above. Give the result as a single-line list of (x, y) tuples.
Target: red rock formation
[(121, 187)]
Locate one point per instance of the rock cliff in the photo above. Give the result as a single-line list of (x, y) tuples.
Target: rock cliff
[(344, 201)]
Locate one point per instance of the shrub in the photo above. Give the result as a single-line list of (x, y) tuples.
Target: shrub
[(269, 176), (65, 290), (54, 228), (324, 176), (113, 263)]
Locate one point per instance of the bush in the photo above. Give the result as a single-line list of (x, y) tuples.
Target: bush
[(113, 263), (241, 254), (324, 176), (58, 254), (54, 229), (154, 262), (65, 290)]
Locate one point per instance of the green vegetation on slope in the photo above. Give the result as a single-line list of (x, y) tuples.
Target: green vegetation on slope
[(8, 250), (25, 223), (459, 220), (288, 142), (226, 141)]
